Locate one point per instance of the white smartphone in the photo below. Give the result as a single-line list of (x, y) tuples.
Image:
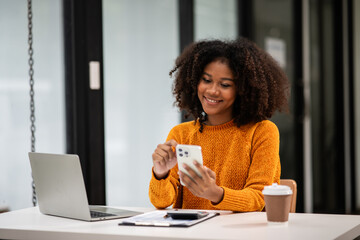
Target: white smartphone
[(186, 214), (187, 154)]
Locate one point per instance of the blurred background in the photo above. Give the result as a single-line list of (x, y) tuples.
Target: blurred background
[(115, 125)]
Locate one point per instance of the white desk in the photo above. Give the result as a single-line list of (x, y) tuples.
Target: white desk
[(31, 224)]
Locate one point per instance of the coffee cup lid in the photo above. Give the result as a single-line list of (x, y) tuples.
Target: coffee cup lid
[(276, 189)]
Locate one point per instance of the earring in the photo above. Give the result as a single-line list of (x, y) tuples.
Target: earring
[(203, 116)]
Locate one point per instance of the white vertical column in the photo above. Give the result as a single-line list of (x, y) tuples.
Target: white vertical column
[(308, 180)]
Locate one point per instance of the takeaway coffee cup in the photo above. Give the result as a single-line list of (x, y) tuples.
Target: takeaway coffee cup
[(277, 203)]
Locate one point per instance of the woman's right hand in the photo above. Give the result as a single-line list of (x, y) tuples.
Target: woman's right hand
[(164, 158)]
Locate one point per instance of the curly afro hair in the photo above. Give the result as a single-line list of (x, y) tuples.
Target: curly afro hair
[(262, 86)]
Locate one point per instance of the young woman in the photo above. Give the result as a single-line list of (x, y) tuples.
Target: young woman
[(230, 88)]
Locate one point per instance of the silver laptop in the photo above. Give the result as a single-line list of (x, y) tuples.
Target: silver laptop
[(60, 189)]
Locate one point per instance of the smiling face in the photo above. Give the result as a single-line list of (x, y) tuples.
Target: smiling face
[(217, 92)]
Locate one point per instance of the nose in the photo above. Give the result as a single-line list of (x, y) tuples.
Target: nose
[(214, 90)]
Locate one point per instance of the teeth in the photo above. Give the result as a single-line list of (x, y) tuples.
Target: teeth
[(213, 101)]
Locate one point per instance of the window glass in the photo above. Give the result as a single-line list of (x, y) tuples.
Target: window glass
[(140, 47), (15, 172), (274, 32), (215, 19), (327, 109)]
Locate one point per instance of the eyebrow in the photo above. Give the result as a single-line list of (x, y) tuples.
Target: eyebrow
[(228, 79)]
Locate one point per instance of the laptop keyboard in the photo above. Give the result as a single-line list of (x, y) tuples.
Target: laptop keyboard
[(95, 214)]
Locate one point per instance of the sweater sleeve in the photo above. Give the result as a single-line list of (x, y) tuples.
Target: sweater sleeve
[(264, 170), (165, 192)]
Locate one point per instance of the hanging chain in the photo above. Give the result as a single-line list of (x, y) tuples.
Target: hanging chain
[(32, 104)]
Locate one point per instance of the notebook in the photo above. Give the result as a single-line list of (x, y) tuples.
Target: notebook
[(60, 189)]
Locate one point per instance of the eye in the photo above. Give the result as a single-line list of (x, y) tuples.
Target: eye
[(225, 85), (206, 80)]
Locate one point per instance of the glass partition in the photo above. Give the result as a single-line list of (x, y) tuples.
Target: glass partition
[(140, 47), (274, 32), (15, 172), (215, 19), (277, 32)]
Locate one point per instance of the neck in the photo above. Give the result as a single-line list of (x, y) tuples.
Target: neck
[(213, 120)]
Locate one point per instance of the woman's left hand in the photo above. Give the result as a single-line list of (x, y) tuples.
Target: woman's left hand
[(204, 186)]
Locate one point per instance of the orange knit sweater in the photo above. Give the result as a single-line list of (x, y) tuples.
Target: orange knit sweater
[(244, 160)]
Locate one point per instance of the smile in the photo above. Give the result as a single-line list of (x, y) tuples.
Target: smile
[(212, 100)]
